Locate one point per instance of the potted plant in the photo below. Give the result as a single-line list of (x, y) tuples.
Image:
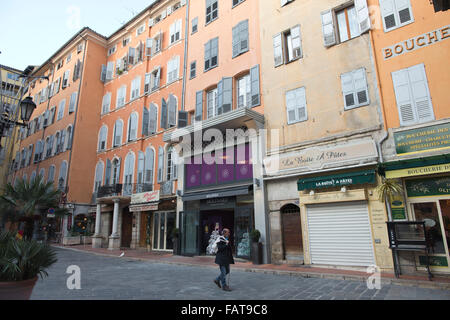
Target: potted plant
[(21, 262), (387, 190), (257, 255), (175, 240)]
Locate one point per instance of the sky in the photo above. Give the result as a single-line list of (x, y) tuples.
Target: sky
[(31, 31)]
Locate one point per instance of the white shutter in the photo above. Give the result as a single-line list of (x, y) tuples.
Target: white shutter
[(296, 42), (153, 118), (147, 82), (182, 2), (329, 37), (163, 14), (403, 8), (169, 10), (340, 234), (420, 93), (148, 46), (388, 14), (160, 164), (300, 97), (151, 22), (361, 90), (348, 90), (403, 96), (362, 13), (172, 111), (109, 70), (278, 50), (283, 2)]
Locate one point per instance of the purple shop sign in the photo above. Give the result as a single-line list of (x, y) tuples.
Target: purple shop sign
[(193, 177), (224, 168), (209, 170), (244, 167)]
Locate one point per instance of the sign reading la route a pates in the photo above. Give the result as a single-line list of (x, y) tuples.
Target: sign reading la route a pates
[(422, 139)]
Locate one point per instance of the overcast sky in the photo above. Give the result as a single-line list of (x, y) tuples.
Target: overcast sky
[(32, 30)]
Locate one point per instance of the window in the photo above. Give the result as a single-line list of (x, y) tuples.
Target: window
[(112, 50), (106, 103), (115, 171), (62, 105), (73, 102), (344, 24), (148, 167), (236, 2), (287, 46), (121, 96), (153, 119), (98, 176), (69, 132), (128, 173), (41, 175), (171, 165), (354, 89), (62, 176), (29, 154), (49, 148), (211, 103), (296, 105), (155, 79), (175, 31), (212, 10), (193, 69), (157, 44), (126, 41), (102, 137), (135, 88), (194, 25), (109, 74), (173, 69), (51, 174), (52, 115), (118, 130), (395, 13), (65, 80), (132, 127), (347, 24), (198, 106), (79, 48), (412, 95), (172, 111), (243, 92), (69, 56), (211, 54), (140, 30), (240, 38), (160, 164)]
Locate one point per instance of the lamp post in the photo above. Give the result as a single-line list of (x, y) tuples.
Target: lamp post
[(27, 107)]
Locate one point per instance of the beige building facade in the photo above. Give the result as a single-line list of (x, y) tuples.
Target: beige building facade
[(324, 123)]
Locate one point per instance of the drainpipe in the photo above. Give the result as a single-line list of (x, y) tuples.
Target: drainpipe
[(186, 34)]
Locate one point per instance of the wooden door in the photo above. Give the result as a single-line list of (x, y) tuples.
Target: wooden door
[(292, 230)]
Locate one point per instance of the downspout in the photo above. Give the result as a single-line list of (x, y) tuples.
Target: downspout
[(186, 34)]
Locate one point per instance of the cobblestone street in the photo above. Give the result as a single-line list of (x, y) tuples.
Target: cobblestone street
[(122, 278)]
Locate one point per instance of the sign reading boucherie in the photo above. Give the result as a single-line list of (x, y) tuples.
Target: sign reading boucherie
[(418, 42), (428, 138), (145, 197)]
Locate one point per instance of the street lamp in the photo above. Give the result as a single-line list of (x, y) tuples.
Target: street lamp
[(27, 107)]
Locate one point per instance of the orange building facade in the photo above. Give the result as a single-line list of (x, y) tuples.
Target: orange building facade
[(411, 41)]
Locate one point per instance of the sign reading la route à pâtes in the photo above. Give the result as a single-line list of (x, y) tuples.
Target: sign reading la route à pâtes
[(427, 138)]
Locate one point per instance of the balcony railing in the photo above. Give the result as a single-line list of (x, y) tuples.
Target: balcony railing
[(126, 189), (166, 188)]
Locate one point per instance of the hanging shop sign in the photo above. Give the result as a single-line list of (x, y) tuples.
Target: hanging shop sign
[(151, 196), (398, 208), (428, 187), (417, 42), (318, 157), (423, 139)]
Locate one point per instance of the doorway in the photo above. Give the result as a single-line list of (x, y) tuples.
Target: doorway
[(436, 215), (292, 232), (127, 225), (208, 219), (163, 224)]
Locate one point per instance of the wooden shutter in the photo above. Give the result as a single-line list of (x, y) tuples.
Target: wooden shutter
[(63, 140), (329, 37), (160, 164), (172, 111), (153, 118), (163, 123), (193, 69), (219, 100), (108, 172), (296, 42), (255, 86), (147, 82), (362, 13), (227, 95), (148, 47), (403, 96), (73, 102), (133, 127), (145, 121), (109, 70), (361, 89), (207, 55), (403, 8), (182, 119), (236, 40), (158, 77), (118, 131), (149, 162), (278, 50), (199, 106), (348, 90), (243, 36), (214, 52)]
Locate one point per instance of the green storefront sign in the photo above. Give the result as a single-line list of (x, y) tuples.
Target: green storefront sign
[(428, 138), (345, 179), (428, 187)]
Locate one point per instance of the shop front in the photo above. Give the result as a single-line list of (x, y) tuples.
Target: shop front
[(426, 197), (343, 222), (218, 195)]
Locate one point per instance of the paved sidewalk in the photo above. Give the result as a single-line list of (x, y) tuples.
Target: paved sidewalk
[(439, 282)]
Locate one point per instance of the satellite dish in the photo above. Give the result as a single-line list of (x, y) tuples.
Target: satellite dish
[(429, 223)]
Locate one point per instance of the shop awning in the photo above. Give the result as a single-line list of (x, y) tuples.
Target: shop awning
[(416, 167), (211, 194), (337, 180), (152, 206)]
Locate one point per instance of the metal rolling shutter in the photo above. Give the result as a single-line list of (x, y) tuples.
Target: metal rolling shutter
[(340, 234)]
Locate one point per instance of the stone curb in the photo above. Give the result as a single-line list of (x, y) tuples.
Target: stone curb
[(303, 274)]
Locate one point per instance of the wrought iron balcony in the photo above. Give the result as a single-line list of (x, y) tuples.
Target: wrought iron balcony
[(166, 188), (125, 189), (109, 190)]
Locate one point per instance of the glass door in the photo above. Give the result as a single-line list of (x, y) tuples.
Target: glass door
[(163, 224), (190, 233), (435, 214)]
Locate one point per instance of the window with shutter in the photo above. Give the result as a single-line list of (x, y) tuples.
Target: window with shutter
[(329, 37), (240, 38), (106, 103), (227, 95), (73, 102), (160, 164), (199, 106), (243, 91), (212, 103), (140, 170), (413, 95), (148, 47), (163, 123), (194, 24), (132, 127), (108, 172), (153, 119), (103, 134), (103, 73), (109, 71), (395, 13), (149, 164), (296, 105), (182, 119), (192, 74), (255, 86), (212, 10), (145, 121), (211, 54), (131, 55), (118, 130), (135, 88), (278, 50), (172, 111), (62, 105), (354, 89), (147, 80)]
